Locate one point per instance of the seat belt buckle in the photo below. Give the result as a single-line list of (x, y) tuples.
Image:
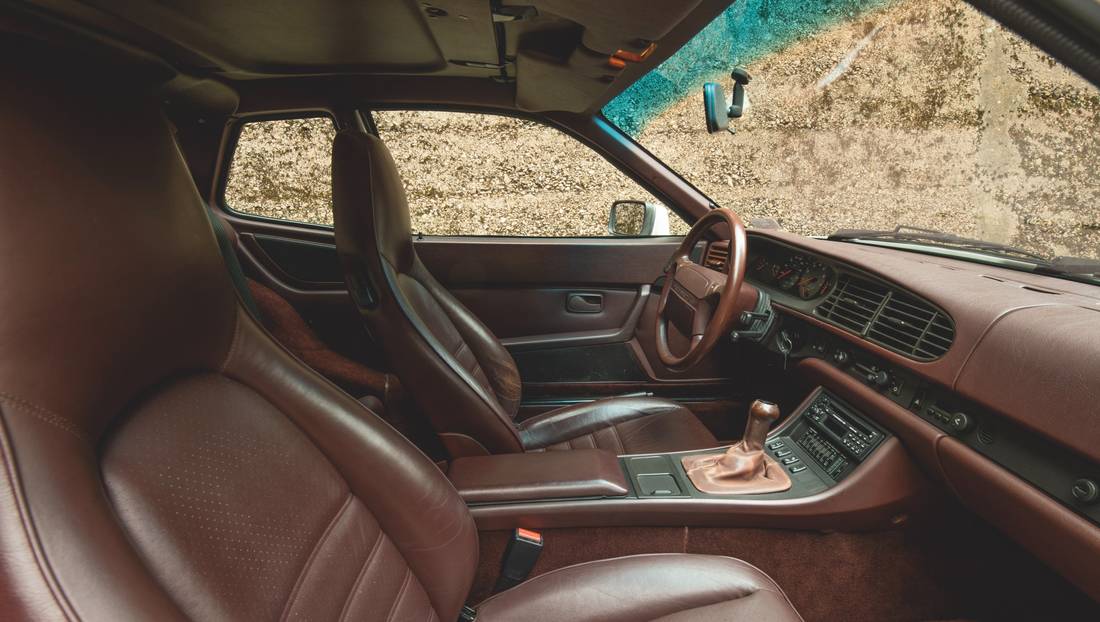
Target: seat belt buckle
[(519, 558)]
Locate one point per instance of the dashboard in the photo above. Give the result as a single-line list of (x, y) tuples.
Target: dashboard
[(987, 375)]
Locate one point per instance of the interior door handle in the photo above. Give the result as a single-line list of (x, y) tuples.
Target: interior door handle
[(584, 303)]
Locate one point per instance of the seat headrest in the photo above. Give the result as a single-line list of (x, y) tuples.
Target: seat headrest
[(110, 276), (370, 209)]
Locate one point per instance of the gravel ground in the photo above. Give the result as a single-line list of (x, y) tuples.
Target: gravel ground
[(943, 120)]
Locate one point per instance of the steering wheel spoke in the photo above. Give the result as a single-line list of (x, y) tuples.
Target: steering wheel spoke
[(698, 301)]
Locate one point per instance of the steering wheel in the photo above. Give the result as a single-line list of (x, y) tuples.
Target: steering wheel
[(701, 302)]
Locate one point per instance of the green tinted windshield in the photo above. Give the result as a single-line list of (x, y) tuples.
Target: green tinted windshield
[(876, 113)]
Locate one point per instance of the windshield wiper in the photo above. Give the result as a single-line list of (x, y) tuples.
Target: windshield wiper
[(904, 233)]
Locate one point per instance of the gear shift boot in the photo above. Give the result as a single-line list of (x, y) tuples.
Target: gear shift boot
[(744, 469)]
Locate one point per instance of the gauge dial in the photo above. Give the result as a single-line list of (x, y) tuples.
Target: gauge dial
[(814, 282), (761, 265), (788, 276)]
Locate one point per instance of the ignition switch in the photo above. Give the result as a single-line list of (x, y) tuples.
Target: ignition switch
[(1085, 491), (786, 342)]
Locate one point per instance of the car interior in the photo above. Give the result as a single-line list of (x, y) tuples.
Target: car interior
[(211, 414)]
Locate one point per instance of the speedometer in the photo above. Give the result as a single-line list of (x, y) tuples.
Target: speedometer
[(791, 271), (814, 281)]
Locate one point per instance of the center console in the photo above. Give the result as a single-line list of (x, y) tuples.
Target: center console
[(845, 472), (818, 446)]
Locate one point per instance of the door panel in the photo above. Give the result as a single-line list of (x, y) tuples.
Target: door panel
[(520, 288), (463, 262), (310, 264), (524, 313)]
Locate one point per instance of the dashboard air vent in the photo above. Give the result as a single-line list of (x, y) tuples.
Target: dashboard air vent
[(717, 255), (853, 303), (912, 327)]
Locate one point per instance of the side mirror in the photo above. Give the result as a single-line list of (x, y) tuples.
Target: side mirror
[(714, 101), (638, 218)]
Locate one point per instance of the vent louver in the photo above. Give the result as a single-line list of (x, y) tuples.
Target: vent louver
[(890, 318), (853, 303), (717, 255), (912, 327)]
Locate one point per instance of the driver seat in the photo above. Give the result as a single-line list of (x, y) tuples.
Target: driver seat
[(468, 385)]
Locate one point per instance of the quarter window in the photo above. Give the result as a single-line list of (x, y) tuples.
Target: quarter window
[(283, 169)]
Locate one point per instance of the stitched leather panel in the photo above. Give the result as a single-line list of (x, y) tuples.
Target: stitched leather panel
[(443, 329), (645, 587), (183, 472), (497, 363), (415, 505)]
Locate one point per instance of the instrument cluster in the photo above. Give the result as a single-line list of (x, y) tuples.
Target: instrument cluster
[(790, 271)]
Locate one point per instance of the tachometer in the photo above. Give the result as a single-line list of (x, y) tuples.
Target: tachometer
[(814, 281)]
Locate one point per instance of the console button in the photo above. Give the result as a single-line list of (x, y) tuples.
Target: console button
[(776, 445), (798, 468), (790, 460), (782, 453)]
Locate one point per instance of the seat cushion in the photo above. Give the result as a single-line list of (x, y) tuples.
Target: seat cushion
[(646, 587), (625, 425)]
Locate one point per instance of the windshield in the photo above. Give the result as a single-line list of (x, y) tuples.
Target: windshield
[(870, 114)]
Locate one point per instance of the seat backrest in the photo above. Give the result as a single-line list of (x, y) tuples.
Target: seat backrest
[(162, 457), (469, 384)]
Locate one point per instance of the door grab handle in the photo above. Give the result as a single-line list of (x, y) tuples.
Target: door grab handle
[(584, 303)]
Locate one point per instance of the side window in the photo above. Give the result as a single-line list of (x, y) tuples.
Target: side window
[(283, 169), (483, 174)]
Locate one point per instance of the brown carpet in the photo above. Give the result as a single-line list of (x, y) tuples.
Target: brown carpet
[(952, 568)]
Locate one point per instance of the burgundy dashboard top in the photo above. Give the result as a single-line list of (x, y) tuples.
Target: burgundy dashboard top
[(1026, 346)]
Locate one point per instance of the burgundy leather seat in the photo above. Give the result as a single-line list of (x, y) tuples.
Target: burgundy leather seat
[(462, 377), (164, 459)]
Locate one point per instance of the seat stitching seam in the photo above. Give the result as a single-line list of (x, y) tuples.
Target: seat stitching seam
[(601, 561), (615, 435), (43, 414), (400, 594), (313, 555), (232, 343), (42, 565), (362, 573)]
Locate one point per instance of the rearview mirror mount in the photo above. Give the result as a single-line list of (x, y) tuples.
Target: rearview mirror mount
[(714, 102)]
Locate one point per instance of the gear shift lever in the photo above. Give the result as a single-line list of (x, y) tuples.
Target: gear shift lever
[(761, 416), (744, 468)]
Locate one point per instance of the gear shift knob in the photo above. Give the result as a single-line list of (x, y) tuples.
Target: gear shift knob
[(761, 416), (744, 468)]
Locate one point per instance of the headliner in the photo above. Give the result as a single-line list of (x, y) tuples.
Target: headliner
[(543, 55)]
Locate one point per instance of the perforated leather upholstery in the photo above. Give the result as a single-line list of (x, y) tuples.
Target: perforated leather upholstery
[(163, 457)]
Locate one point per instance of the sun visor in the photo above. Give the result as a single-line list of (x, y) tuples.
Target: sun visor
[(603, 39)]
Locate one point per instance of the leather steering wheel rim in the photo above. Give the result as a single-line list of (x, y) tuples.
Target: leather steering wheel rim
[(689, 286)]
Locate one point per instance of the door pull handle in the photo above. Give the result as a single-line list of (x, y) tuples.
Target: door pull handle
[(584, 303)]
